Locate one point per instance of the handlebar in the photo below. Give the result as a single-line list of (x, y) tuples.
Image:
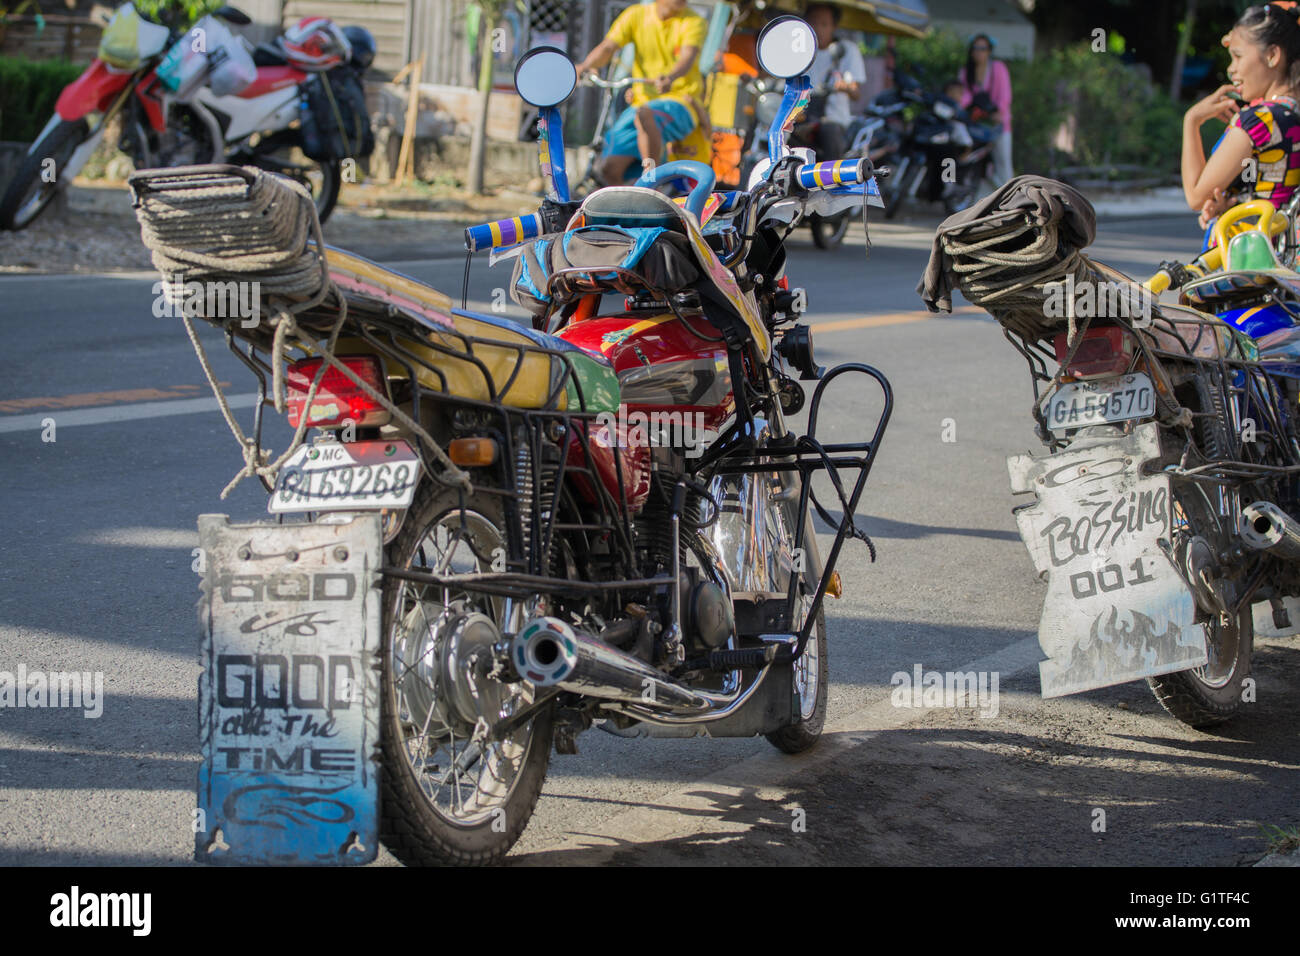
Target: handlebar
[(1267, 219), (703, 176), (832, 173), (503, 232)]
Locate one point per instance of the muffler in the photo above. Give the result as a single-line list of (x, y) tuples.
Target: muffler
[(550, 653), (1266, 527)]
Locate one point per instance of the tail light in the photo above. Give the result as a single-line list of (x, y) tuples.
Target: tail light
[(1103, 351), (338, 399)]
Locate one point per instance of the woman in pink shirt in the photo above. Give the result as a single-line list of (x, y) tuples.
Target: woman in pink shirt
[(983, 74)]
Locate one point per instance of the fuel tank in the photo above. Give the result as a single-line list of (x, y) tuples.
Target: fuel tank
[(663, 364)]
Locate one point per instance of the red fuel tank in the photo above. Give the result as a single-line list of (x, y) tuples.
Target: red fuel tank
[(663, 364)]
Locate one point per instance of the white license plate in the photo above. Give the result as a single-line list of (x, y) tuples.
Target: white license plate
[(346, 476), (1095, 403)]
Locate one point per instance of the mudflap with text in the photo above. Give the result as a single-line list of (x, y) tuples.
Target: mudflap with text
[(1117, 608), (289, 694)]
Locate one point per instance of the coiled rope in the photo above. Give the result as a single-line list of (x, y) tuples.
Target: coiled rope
[(216, 222)]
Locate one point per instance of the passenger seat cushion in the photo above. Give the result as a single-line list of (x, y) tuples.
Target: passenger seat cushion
[(662, 259)]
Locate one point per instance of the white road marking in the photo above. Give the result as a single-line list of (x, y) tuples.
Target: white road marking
[(122, 413)]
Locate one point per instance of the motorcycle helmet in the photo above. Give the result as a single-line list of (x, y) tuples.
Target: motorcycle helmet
[(315, 44), (363, 46)]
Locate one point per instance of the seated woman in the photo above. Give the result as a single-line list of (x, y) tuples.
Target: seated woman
[(1262, 139)]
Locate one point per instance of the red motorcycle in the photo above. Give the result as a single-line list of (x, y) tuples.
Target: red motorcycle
[(604, 520), (295, 107)]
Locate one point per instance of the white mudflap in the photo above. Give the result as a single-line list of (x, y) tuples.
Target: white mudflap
[(1117, 609)]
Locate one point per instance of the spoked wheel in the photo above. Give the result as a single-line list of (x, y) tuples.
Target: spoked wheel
[(41, 174), (812, 686), (828, 233), (1209, 695), (452, 792)]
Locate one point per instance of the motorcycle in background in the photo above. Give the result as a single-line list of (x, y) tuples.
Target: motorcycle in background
[(943, 156), (295, 107), (1164, 507), (604, 520)]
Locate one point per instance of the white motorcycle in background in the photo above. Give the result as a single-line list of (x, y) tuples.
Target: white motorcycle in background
[(206, 95)]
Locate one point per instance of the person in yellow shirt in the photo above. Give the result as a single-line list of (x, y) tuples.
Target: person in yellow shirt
[(667, 38)]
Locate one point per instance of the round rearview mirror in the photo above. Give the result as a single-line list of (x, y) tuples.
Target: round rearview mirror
[(786, 47), (545, 76)]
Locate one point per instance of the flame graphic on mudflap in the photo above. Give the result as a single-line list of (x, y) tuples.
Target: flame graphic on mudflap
[(253, 805)]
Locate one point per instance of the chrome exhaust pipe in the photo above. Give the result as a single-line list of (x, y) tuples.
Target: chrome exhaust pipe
[(1266, 527), (550, 653)]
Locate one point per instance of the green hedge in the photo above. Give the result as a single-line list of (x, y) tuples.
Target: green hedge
[(1120, 117), (28, 91)]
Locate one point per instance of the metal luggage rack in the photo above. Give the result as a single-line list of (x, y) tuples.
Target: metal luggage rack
[(808, 455), (523, 434), (1234, 374)]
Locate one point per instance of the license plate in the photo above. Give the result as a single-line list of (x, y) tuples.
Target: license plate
[(289, 694), (1096, 403), (347, 476)]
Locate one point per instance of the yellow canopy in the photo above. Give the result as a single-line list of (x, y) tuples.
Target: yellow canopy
[(871, 16)]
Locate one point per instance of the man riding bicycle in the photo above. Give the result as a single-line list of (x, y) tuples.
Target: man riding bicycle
[(667, 38)]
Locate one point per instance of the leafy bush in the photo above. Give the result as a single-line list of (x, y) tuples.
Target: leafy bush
[(1116, 115), (28, 91)]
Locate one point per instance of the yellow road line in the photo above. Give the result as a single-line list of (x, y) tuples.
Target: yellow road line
[(92, 399), (888, 318)]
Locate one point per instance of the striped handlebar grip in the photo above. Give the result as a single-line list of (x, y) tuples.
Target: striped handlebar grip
[(835, 172), (503, 232)]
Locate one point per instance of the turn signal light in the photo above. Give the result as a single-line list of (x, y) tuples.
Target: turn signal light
[(338, 400), (834, 587), (1103, 351), (472, 452)]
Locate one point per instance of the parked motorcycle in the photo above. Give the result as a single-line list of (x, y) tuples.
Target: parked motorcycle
[(1164, 507), (601, 521), (200, 95), (943, 156)]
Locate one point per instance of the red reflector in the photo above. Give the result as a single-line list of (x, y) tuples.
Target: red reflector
[(338, 399), (1104, 351)]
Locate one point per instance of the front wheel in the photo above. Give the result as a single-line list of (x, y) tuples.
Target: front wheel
[(42, 173), (452, 794), (812, 686), (829, 233)]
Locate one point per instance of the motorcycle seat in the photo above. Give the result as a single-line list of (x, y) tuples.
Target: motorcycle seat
[(524, 368)]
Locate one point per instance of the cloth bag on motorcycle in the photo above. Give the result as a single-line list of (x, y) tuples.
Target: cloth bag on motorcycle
[(335, 121), (129, 39), (661, 259), (207, 51)]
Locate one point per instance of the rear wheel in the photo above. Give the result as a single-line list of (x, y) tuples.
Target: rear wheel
[(451, 794), (280, 155), (1211, 694), (38, 180)]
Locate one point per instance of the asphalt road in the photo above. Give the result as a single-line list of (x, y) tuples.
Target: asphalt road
[(98, 529)]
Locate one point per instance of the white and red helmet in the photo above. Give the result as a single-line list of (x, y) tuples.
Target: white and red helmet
[(315, 44)]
